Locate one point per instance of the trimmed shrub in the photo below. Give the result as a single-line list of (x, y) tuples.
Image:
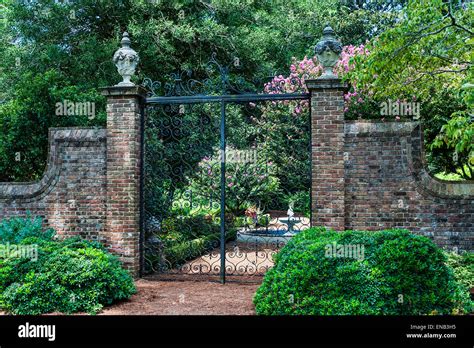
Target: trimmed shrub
[(15, 229), (463, 268), (394, 273), (71, 275)]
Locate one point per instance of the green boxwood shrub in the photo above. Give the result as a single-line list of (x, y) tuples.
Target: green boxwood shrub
[(15, 229), (399, 274), (463, 268), (70, 275)]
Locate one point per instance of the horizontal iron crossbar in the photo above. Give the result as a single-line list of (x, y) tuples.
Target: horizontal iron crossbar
[(238, 98)]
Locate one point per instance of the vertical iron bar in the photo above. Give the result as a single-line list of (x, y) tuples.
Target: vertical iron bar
[(142, 188), (222, 158), (311, 222)]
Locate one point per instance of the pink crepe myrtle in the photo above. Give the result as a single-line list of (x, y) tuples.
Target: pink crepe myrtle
[(309, 68)]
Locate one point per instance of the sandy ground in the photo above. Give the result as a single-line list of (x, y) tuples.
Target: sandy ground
[(155, 297), (187, 298)]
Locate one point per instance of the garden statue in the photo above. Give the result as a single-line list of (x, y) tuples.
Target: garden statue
[(328, 50), (126, 60), (290, 214)]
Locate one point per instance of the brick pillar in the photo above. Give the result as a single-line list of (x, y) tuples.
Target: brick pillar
[(124, 129), (327, 152)]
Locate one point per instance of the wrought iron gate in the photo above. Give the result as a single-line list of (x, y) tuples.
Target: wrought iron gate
[(215, 189)]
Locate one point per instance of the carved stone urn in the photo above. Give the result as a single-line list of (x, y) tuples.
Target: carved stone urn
[(328, 51), (126, 61)]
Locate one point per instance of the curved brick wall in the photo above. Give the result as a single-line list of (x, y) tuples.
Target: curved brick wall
[(365, 175), (71, 195), (91, 186), (387, 185)]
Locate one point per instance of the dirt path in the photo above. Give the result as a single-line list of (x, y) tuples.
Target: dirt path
[(187, 298)]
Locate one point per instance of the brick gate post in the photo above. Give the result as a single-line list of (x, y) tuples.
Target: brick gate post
[(327, 138), (124, 131), (327, 153)]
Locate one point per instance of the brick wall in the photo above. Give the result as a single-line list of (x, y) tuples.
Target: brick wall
[(124, 131), (327, 153), (91, 186), (71, 194), (387, 185), (372, 176), (365, 175)]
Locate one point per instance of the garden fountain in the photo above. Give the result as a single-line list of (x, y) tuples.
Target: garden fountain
[(279, 230)]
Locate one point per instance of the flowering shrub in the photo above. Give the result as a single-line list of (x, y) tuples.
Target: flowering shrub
[(246, 183), (284, 125), (255, 216), (357, 99)]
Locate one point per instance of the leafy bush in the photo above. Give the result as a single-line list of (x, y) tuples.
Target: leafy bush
[(15, 229), (184, 238), (187, 227), (71, 275), (301, 201), (178, 253), (397, 273), (246, 183), (463, 268)]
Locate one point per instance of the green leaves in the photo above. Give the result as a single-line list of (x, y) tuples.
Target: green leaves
[(428, 54), (17, 229), (399, 273), (62, 50), (71, 275)]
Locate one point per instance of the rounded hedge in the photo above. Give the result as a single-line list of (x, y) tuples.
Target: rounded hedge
[(392, 272), (69, 275)]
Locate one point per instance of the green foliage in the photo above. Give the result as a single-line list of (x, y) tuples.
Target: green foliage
[(179, 252), (301, 202), (284, 139), (245, 183), (187, 227), (463, 268), (68, 276), (458, 134), (397, 273), (428, 54), (184, 238), (16, 229), (448, 176), (53, 50)]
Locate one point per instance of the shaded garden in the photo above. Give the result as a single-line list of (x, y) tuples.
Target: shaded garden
[(413, 56)]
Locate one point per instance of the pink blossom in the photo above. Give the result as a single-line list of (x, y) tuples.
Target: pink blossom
[(309, 68)]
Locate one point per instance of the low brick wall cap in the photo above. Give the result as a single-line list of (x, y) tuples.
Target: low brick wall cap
[(316, 84), (110, 91)]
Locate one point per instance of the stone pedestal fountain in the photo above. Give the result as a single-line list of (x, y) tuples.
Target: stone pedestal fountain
[(279, 230)]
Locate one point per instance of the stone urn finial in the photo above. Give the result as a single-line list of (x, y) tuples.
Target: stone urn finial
[(126, 60), (328, 51)]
